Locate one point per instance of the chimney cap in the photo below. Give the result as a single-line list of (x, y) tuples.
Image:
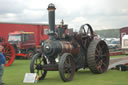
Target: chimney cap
[(51, 6)]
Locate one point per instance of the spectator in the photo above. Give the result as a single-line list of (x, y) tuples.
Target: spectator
[(2, 62)]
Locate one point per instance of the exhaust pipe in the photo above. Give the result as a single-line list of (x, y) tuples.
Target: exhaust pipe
[(51, 16)]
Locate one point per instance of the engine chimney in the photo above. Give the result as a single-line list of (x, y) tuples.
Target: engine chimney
[(51, 14)]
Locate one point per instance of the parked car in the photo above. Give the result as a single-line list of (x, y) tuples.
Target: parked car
[(114, 44)]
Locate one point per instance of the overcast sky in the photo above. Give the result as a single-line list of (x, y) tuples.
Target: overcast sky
[(101, 14)]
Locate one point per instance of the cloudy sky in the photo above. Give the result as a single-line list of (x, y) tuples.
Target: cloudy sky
[(101, 14)]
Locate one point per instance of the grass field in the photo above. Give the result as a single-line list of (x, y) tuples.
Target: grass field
[(118, 56), (14, 75)]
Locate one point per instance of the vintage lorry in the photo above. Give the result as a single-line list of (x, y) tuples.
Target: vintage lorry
[(24, 43)]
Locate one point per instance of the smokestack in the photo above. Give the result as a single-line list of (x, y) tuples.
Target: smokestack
[(51, 15)]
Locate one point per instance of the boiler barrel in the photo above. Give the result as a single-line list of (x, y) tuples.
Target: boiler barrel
[(67, 47)]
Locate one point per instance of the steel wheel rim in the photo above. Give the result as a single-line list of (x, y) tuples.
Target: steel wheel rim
[(38, 63), (68, 68), (101, 57)]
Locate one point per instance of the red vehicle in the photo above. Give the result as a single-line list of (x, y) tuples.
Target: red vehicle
[(40, 30), (23, 42), (25, 38)]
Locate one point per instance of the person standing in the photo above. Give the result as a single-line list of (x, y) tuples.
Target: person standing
[(2, 62)]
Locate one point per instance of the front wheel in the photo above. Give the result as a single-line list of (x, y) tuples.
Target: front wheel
[(66, 67), (36, 65)]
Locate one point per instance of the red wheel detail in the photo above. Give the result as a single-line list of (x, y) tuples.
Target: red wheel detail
[(9, 53)]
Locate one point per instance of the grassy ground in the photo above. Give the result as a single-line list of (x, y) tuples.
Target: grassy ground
[(118, 56), (14, 75)]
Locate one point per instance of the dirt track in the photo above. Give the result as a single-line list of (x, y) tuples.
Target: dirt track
[(114, 60), (117, 61)]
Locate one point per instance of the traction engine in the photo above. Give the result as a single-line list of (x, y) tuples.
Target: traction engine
[(67, 53)]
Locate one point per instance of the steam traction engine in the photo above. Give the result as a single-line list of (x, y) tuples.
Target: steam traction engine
[(73, 51)]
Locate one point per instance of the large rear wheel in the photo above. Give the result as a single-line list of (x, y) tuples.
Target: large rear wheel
[(36, 65), (66, 67), (98, 56)]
